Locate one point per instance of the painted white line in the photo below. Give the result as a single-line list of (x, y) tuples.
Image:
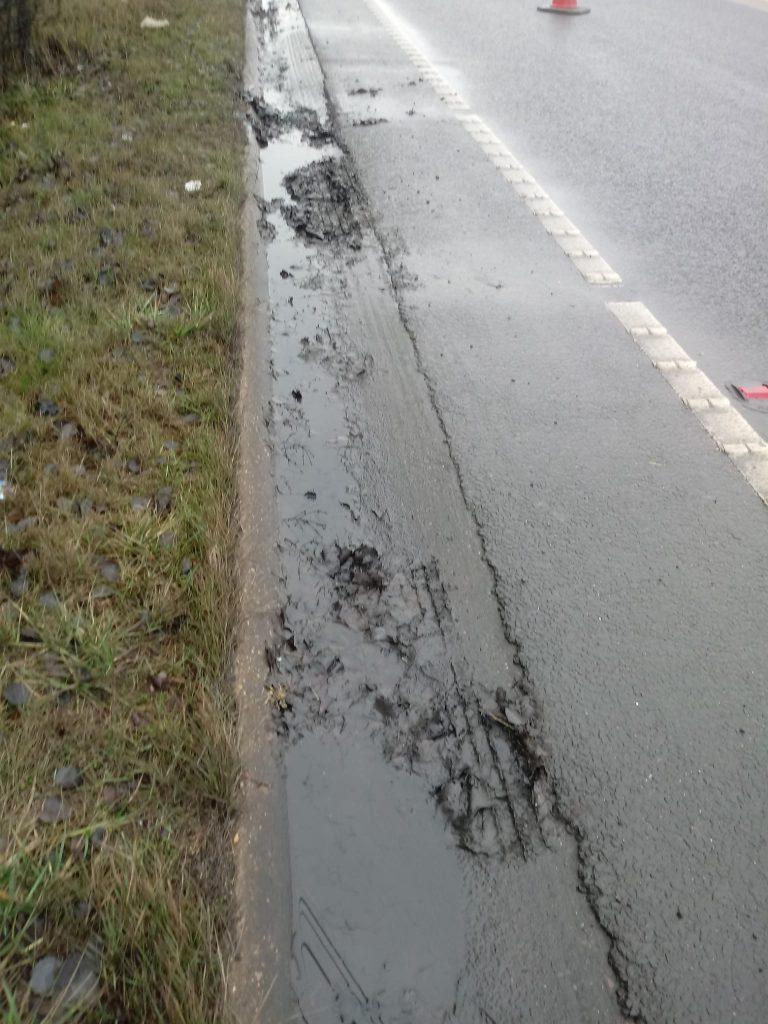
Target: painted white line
[(587, 260), (727, 427)]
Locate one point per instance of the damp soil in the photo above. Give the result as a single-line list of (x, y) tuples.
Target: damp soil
[(414, 787)]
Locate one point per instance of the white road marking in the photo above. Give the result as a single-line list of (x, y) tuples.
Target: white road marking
[(727, 427), (587, 260)]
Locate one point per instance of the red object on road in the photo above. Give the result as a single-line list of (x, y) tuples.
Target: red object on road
[(564, 7), (761, 391)]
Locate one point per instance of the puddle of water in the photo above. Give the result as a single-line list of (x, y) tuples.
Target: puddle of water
[(285, 155), (377, 890)]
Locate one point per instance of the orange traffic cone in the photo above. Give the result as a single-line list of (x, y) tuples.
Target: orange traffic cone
[(565, 7)]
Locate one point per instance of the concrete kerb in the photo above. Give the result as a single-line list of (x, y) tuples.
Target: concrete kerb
[(259, 986)]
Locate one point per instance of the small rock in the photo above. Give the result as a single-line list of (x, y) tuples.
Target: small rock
[(68, 431), (65, 504), (84, 506), (109, 570), (167, 539), (191, 418), (7, 365), (53, 810), (160, 682), (16, 694), (29, 635), (297, 395), (140, 503), (101, 593), (46, 355), (47, 407), (44, 975), (48, 599), (68, 777), (186, 566), (19, 585), (83, 910), (78, 979), (50, 469), (54, 666), (163, 499), (98, 837), (133, 466), (138, 337), (171, 445), (23, 524)]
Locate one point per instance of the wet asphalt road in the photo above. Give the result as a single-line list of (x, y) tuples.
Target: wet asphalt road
[(629, 556)]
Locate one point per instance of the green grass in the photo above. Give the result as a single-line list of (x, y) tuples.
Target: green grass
[(118, 302)]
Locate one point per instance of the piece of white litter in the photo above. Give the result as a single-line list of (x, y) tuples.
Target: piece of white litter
[(193, 186), (155, 22)]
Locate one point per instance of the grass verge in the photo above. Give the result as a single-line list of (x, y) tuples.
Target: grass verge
[(118, 307)]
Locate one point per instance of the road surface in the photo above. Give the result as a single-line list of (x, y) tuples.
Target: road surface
[(509, 450)]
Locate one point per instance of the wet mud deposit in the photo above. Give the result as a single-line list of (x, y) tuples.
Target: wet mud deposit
[(432, 879)]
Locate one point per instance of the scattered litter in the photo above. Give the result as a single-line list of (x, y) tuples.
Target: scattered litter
[(193, 186), (154, 22)]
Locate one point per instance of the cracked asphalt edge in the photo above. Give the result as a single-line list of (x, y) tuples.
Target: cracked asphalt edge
[(587, 884)]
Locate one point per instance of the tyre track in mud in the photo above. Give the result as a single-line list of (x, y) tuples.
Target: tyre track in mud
[(391, 633)]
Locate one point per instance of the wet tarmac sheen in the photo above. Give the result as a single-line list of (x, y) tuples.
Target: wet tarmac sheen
[(378, 935), (434, 879)]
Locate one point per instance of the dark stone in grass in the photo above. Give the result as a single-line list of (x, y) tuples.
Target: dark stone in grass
[(133, 466), (139, 337), (109, 570), (19, 585), (163, 499), (68, 777), (46, 355), (50, 469), (16, 694), (84, 506), (53, 810), (171, 445), (47, 407), (167, 539), (29, 635), (48, 600), (44, 973), (191, 418), (64, 504), (101, 593), (186, 566), (98, 837), (140, 503), (7, 365)]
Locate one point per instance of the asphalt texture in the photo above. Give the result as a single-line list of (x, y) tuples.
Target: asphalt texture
[(625, 555)]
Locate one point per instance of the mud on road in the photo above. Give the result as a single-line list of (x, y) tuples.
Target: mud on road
[(417, 779)]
